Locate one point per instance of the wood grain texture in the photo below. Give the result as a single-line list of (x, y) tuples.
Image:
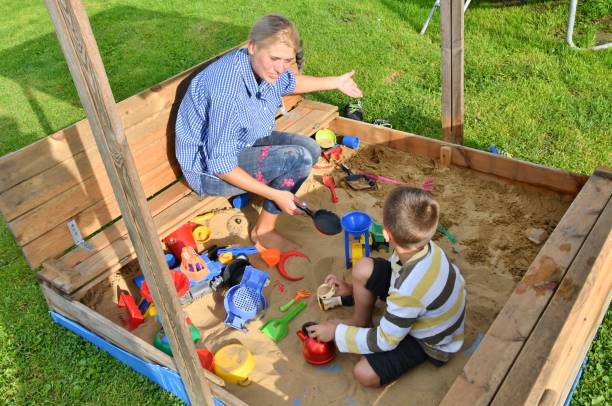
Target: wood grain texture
[(451, 38), (87, 70), (487, 367), (507, 168), (558, 344)]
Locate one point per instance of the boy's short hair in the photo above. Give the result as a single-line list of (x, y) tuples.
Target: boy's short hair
[(410, 215)]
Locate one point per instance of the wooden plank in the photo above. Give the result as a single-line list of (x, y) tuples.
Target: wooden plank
[(42, 187), (290, 101), (51, 242), (300, 111), (558, 343), (117, 335), (508, 168), (87, 70), (291, 117), (55, 180), (451, 41), (121, 251), (81, 285), (311, 122), (487, 367), (152, 163), (58, 239), (117, 230)]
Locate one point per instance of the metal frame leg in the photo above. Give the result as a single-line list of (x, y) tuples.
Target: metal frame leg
[(570, 29), (433, 10)]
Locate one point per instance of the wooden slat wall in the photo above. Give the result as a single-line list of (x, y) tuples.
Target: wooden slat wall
[(559, 342), (114, 251), (62, 177), (487, 367), (70, 172), (513, 169)]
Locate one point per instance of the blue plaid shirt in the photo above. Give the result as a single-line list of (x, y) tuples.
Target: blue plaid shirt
[(224, 111)]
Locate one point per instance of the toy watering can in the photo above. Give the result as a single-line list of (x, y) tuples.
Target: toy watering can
[(316, 352)]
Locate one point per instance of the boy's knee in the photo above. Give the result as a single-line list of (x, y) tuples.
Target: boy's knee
[(365, 375), (362, 270)]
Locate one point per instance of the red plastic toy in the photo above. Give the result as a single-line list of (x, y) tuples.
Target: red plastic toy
[(181, 284), (206, 358), (181, 237), (334, 153), (281, 265), (316, 352), (135, 318)]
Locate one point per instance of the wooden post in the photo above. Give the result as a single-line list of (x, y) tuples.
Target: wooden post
[(83, 58), (451, 25)]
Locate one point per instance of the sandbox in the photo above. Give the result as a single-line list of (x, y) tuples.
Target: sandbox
[(488, 216)]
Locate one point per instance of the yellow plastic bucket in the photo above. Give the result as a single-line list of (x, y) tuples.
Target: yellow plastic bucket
[(234, 363)]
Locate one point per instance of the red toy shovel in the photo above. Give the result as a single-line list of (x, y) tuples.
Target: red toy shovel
[(328, 181)]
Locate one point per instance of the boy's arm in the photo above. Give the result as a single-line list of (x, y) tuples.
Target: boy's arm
[(401, 312)]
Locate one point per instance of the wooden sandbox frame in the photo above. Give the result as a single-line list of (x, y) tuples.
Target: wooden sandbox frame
[(530, 354)]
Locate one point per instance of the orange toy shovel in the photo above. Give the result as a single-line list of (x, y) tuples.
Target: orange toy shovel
[(271, 256)]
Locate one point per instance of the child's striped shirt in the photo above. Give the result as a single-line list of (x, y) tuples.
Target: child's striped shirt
[(426, 300)]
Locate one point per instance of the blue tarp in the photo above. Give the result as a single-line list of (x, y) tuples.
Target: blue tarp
[(164, 377)]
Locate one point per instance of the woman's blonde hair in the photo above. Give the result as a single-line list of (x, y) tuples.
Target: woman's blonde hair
[(275, 28)]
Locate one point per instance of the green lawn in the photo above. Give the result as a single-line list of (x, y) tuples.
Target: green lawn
[(525, 91)]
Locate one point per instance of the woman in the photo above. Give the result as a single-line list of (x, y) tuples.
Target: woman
[(225, 141)]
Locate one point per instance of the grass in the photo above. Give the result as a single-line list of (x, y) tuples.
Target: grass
[(525, 92)]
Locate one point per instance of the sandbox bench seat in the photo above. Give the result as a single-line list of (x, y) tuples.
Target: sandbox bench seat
[(61, 179)]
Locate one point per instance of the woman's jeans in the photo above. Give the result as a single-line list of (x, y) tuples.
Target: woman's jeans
[(280, 160)]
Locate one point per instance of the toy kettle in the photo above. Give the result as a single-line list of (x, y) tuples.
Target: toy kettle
[(315, 351)]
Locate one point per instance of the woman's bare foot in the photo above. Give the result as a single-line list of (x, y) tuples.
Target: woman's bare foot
[(272, 239)]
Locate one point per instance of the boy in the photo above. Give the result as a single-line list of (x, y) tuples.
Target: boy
[(424, 292)]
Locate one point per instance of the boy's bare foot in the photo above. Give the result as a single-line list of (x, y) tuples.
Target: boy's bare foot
[(272, 239)]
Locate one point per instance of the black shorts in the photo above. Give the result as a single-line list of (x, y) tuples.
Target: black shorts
[(390, 365)]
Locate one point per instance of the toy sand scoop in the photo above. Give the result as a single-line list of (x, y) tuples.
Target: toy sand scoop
[(277, 329), (325, 221)]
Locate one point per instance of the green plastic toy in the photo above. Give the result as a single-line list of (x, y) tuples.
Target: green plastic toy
[(448, 235), (277, 329), (160, 341)]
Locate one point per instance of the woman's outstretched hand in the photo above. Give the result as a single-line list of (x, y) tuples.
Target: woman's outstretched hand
[(347, 85)]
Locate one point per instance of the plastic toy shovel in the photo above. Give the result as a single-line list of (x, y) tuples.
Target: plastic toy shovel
[(329, 182), (277, 329), (325, 221)]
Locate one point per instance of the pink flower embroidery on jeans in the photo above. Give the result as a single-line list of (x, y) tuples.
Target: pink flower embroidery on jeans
[(288, 182), (264, 153), (260, 177)]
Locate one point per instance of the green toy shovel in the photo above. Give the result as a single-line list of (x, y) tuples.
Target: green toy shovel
[(277, 329)]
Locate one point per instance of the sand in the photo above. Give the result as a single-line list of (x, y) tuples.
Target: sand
[(488, 216)]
